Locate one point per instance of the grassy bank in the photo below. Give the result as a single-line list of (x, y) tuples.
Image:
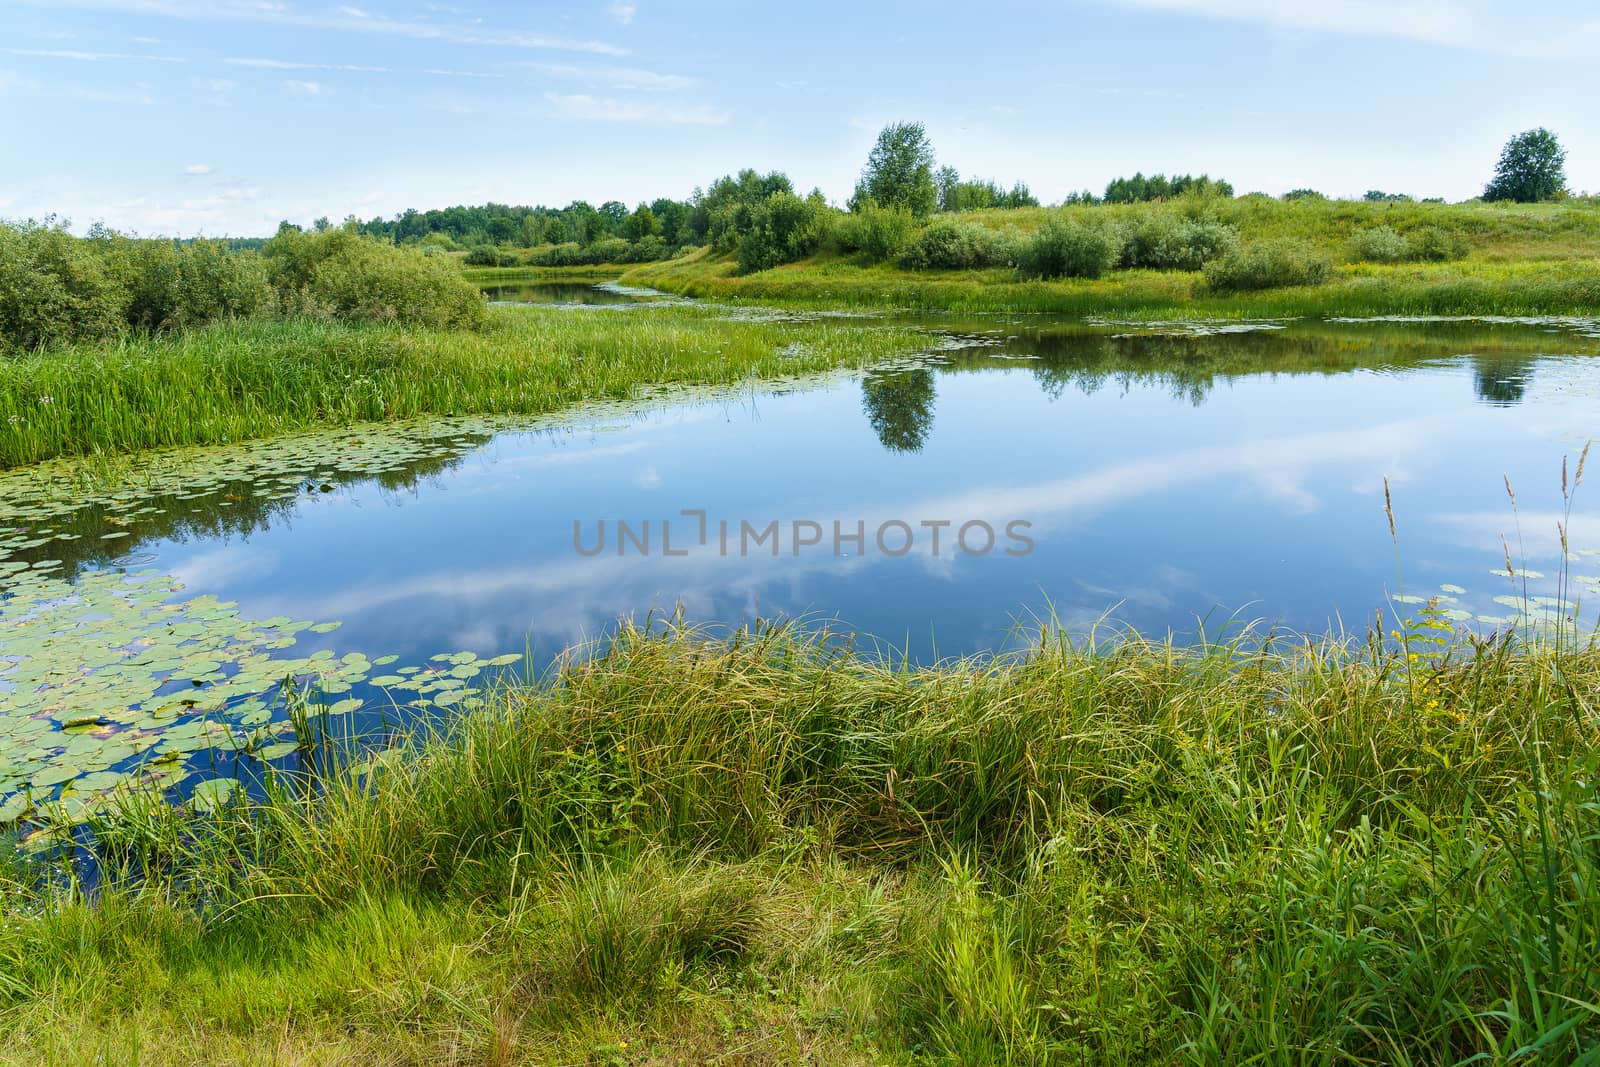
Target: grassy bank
[(261, 377), (769, 850), (1514, 260)]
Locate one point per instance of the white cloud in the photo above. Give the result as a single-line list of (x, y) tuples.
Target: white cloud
[(197, 168), (92, 57), (337, 20), (623, 11), (620, 78), (305, 88), (584, 106), (290, 64), (460, 74), (1486, 25)]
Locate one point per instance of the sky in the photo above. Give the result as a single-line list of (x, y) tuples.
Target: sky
[(222, 117)]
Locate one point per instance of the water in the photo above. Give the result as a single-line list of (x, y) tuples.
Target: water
[(566, 293), (1151, 477)]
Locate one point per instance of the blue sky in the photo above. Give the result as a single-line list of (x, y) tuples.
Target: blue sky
[(224, 116)]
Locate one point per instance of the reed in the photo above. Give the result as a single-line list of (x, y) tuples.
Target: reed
[(257, 378), (679, 844)]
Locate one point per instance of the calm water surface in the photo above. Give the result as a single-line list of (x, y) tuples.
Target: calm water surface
[(1167, 481), (1160, 488)]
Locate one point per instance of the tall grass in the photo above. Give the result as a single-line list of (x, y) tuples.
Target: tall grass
[(258, 378), (1518, 260), (1255, 851), (1468, 287)]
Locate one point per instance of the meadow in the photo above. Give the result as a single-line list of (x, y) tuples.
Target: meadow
[(764, 847), (1225, 257)]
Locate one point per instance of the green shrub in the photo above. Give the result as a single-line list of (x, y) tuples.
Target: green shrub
[(1062, 248), (340, 274), (950, 245), (55, 288), (489, 256), (1168, 242), (880, 232), (566, 254), (1436, 244), (782, 229), (1267, 266), (1380, 244)]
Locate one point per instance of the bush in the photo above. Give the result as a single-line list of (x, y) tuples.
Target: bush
[(782, 229), (880, 232), (1267, 266), (566, 254), (1383, 244), (340, 274), (949, 245), (1166, 242), (489, 256), (1065, 249), (1380, 244), (1437, 245), (54, 288)]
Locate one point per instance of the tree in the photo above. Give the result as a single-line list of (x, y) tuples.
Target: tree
[(899, 170), (1531, 168), (948, 182), (555, 231), (641, 224), (613, 213)]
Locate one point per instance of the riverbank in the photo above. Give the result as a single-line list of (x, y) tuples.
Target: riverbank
[(1371, 259), (1468, 287), (257, 378), (771, 849)]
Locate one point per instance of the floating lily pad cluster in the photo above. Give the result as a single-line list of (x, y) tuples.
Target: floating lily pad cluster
[(110, 678), (1529, 611)]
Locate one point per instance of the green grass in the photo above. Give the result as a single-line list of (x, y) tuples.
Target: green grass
[(765, 848), (265, 377), (1522, 260)]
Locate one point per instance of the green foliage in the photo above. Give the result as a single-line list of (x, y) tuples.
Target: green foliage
[(781, 229), (340, 274), (1268, 266), (56, 288), (975, 195), (1385, 244), (899, 171), (879, 232), (1303, 194), (1436, 244), (489, 256), (1169, 242), (641, 224), (946, 244), (717, 216), (1378, 196), (1380, 244), (1160, 187), (1531, 168), (1064, 248)]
